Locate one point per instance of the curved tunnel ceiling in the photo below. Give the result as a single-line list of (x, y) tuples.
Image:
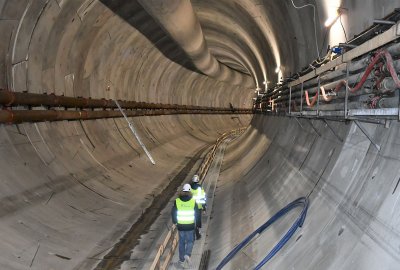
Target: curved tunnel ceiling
[(70, 189)]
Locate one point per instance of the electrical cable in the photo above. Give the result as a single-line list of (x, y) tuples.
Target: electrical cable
[(378, 56), (344, 30), (300, 202), (389, 64), (324, 41), (314, 99), (323, 60), (315, 24)]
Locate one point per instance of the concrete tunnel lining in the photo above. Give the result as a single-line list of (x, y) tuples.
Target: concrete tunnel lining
[(347, 211), (72, 188)]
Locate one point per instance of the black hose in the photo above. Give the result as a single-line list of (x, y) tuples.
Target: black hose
[(301, 202)]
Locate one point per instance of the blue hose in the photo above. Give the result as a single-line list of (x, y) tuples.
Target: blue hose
[(300, 202)]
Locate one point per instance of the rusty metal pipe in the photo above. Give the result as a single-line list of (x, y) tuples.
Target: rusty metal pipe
[(20, 116), (9, 99)]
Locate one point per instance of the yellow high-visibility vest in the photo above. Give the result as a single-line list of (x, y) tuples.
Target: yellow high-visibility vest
[(185, 211), (200, 196)]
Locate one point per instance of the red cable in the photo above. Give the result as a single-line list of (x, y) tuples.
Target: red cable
[(370, 67), (324, 96), (311, 104), (390, 66)]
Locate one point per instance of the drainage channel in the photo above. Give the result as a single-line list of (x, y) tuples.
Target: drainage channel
[(122, 250)]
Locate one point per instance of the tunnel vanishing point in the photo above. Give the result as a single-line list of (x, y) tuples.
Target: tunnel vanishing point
[(109, 106)]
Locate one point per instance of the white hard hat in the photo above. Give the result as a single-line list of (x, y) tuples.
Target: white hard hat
[(195, 178), (186, 187)]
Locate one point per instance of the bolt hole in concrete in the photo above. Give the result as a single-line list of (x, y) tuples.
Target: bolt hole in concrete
[(341, 231), (255, 251)]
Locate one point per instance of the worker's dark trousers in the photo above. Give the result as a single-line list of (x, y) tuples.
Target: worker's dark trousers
[(198, 235)]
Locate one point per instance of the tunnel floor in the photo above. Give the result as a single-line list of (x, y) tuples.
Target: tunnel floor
[(143, 254), (121, 251)]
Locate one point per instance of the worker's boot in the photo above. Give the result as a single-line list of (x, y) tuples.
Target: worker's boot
[(198, 234), (188, 261)]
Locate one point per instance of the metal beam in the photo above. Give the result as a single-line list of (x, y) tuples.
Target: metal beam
[(388, 36), (374, 112)]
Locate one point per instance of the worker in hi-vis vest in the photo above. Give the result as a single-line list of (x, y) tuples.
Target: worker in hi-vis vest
[(198, 192), (200, 196), (187, 217)]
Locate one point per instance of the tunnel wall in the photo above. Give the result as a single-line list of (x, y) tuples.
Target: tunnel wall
[(360, 14), (352, 222), (73, 188), (70, 189), (100, 49), (357, 16)]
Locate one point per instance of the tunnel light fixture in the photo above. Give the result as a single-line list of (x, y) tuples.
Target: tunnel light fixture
[(265, 85), (331, 20)]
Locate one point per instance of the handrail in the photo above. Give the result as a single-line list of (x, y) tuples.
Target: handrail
[(170, 240), (370, 62), (173, 232), (380, 55), (372, 44)]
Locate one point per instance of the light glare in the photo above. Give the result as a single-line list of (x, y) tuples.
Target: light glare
[(331, 20)]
